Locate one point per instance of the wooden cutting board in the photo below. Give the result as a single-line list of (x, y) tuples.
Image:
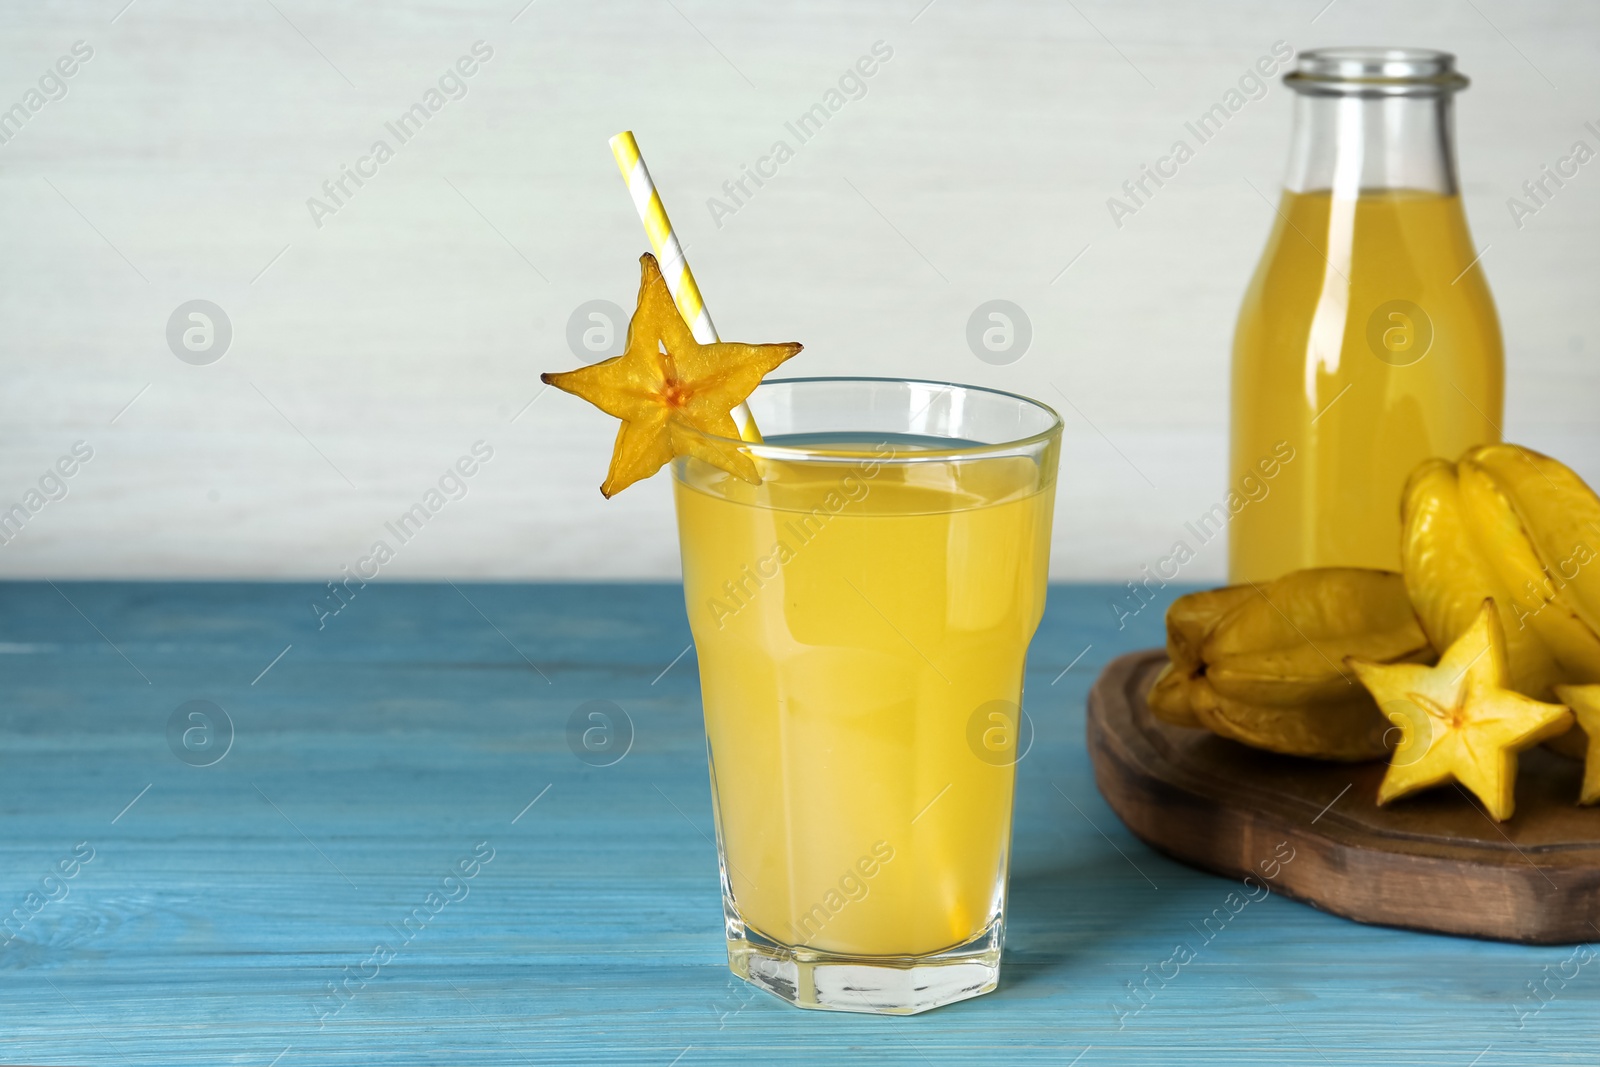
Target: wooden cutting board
[(1434, 861)]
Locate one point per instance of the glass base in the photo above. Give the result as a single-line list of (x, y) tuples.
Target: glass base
[(875, 985)]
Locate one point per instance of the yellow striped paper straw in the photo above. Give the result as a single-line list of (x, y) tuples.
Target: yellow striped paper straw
[(674, 268)]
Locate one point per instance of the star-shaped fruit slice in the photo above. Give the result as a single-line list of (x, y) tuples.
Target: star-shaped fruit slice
[(673, 394), (1584, 700), (1458, 721)]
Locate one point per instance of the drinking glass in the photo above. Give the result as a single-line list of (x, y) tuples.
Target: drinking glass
[(862, 617)]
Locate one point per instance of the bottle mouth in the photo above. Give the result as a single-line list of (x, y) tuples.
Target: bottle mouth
[(1358, 71)]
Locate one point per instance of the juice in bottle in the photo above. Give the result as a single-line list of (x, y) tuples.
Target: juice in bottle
[(1368, 340)]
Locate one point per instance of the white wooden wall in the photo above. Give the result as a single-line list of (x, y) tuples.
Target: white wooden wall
[(369, 353)]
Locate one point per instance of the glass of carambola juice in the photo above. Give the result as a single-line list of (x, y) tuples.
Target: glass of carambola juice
[(862, 617)]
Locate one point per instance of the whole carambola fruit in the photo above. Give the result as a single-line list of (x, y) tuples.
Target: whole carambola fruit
[(1262, 664)]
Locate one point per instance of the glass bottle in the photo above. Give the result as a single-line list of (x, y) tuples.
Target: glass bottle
[(1368, 340)]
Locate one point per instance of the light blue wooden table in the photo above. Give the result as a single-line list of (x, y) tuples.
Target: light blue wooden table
[(168, 913)]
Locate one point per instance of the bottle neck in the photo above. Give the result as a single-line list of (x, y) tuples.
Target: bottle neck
[(1351, 145)]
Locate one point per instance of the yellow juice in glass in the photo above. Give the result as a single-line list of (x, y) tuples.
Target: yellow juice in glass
[(1365, 345), (861, 627)]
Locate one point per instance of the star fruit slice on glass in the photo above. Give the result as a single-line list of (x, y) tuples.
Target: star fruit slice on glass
[(673, 394), (1459, 721)]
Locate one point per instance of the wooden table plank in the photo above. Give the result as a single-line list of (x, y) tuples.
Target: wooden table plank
[(380, 750)]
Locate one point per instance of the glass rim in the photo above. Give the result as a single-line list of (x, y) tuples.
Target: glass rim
[(1365, 70), (815, 453)]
